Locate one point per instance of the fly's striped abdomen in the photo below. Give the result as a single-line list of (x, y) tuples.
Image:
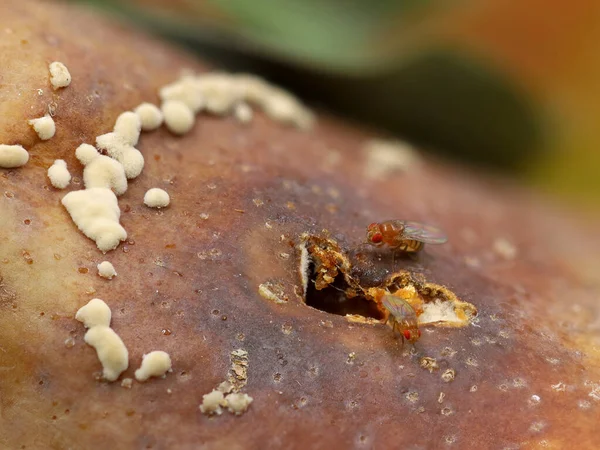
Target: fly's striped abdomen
[(410, 246)]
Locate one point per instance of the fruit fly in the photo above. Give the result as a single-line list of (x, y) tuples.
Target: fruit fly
[(404, 236), (402, 317)]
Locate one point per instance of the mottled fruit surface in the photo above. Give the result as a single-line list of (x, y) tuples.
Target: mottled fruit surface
[(219, 269)]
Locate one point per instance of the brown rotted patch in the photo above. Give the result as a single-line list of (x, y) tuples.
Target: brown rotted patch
[(334, 286)]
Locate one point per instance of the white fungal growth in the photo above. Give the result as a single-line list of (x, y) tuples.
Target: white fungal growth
[(227, 393), (156, 198), (12, 156), (277, 103), (505, 249), (117, 148), (225, 387), (59, 174), (95, 313), (59, 75), (238, 403), (186, 90), (439, 311), (220, 91), (212, 402), (289, 110), (179, 118), (127, 383), (111, 350), (112, 353), (150, 116), (283, 107), (44, 127), (106, 270), (100, 170), (243, 112), (387, 157), (254, 89), (222, 94), (128, 126), (154, 364), (86, 153), (96, 213)]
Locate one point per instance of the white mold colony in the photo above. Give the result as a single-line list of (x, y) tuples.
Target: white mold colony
[(12, 156), (243, 113), (106, 270), (238, 402), (120, 143), (385, 157), (224, 94), (179, 118), (94, 313), (156, 198), (212, 402), (44, 127), (59, 174), (111, 350), (100, 170), (150, 116), (228, 394), (154, 364), (59, 75), (96, 213), (95, 210)]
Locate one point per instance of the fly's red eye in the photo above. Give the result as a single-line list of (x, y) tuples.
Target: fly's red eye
[(372, 226), (406, 334), (376, 238)]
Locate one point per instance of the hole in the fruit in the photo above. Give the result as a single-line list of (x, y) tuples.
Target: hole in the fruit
[(330, 285), (333, 299)]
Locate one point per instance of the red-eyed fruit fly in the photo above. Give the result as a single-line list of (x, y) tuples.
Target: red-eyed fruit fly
[(404, 236), (402, 317)]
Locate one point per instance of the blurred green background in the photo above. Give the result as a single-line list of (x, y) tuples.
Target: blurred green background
[(510, 86)]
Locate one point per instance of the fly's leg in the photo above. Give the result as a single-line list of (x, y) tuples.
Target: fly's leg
[(397, 332)]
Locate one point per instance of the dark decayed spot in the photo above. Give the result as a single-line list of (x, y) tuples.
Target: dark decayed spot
[(334, 300)]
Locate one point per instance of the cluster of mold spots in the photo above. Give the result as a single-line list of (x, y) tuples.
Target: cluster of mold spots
[(112, 353), (228, 393), (107, 169), (13, 156)]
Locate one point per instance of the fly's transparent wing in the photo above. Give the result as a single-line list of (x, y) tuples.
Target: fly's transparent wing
[(400, 309), (423, 233)]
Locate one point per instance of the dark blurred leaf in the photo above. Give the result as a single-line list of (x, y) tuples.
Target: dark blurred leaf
[(327, 35)]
